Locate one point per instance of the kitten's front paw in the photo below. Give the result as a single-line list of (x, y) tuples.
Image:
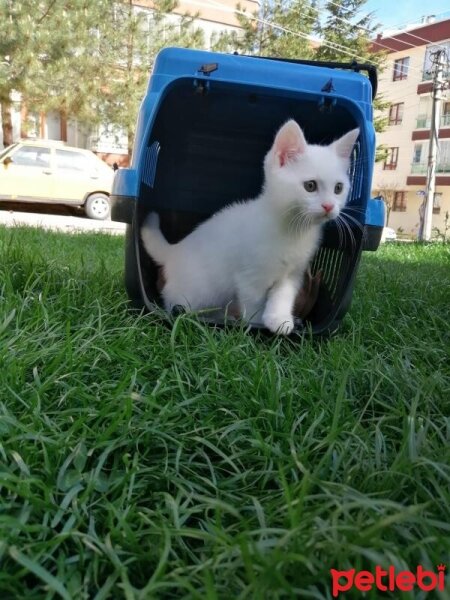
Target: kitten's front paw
[(280, 324)]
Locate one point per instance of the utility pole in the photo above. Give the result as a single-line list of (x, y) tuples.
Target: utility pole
[(438, 57)]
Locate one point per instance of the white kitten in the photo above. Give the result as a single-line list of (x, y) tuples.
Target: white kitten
[(258, 251)]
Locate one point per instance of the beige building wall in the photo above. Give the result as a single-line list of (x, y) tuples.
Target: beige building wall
[(408, 176), (218, 12)]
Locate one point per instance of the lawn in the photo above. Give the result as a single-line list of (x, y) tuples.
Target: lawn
[(141, 461)]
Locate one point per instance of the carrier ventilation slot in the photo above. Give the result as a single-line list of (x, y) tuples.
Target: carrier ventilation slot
[(356, 174), (150, 162), (329, 261)]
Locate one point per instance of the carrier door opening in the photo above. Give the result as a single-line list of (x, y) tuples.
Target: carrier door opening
[(206, 151)]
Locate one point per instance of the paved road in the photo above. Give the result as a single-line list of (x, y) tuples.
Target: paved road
[(61, 219)]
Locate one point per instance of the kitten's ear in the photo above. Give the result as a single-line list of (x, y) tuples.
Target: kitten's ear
[(289, 142), (344, 145)]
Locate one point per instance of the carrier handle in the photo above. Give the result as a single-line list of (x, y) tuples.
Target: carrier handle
[(351, 66)]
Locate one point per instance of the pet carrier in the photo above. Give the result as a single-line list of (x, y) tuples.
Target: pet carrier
[(204, 127)]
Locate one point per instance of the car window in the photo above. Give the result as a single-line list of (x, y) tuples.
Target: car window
[(32, 156), (72, 161)]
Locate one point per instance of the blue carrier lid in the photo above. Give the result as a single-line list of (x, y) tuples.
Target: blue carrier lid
[(173, 64), (253, 74)]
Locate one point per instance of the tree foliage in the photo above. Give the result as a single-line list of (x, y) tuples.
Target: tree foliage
[(67, 80), (91, 60), (88, 60), (281, 28), (126, 57), (28, 37), (47, 54), (347, 35), (286, 28)]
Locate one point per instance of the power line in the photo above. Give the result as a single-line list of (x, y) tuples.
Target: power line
[(402, 97), (370, 31), (409, 44), (342, 19), (418, 37), (306, 36), (394, 37), (332, 45), (404, 24), (363, 17), (328, 44)]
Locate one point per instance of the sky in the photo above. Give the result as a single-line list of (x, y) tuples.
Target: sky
[(399, 12)]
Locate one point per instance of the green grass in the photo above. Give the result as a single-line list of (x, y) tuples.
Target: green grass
[(141, 461)]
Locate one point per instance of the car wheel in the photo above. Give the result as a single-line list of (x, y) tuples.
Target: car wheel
[(97, 207)]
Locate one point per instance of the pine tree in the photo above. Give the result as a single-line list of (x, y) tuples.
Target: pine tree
[(46, 55), (23, 40), (67, 75), (346, 33), (347, 36), (129, 40), (87, 60), (281, 28)]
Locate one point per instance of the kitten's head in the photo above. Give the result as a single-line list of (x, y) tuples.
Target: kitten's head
[(308, 183)]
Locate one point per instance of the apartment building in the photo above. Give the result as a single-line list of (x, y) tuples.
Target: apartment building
[(406, 85)]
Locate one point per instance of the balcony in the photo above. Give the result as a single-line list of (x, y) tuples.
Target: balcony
[(421, 168), (424, 121)]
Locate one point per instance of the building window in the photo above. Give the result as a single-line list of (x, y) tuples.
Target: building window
[(445, 118), (401, 68), (396, 113), (418, 166), (417, 153), (437, 203), (399, 204), (443, 165), (390, 162)]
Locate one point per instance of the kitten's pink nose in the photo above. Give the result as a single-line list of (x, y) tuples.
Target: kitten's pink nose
[(327, 206)]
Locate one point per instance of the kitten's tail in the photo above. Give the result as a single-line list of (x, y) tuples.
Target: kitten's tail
[(154, 241)]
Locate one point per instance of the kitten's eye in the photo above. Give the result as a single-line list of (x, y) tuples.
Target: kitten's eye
[(310, 186), (338, 188)]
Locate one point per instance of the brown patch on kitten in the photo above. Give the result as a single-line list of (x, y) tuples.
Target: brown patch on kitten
[(304, 302), (307, 295), (233, 310)]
